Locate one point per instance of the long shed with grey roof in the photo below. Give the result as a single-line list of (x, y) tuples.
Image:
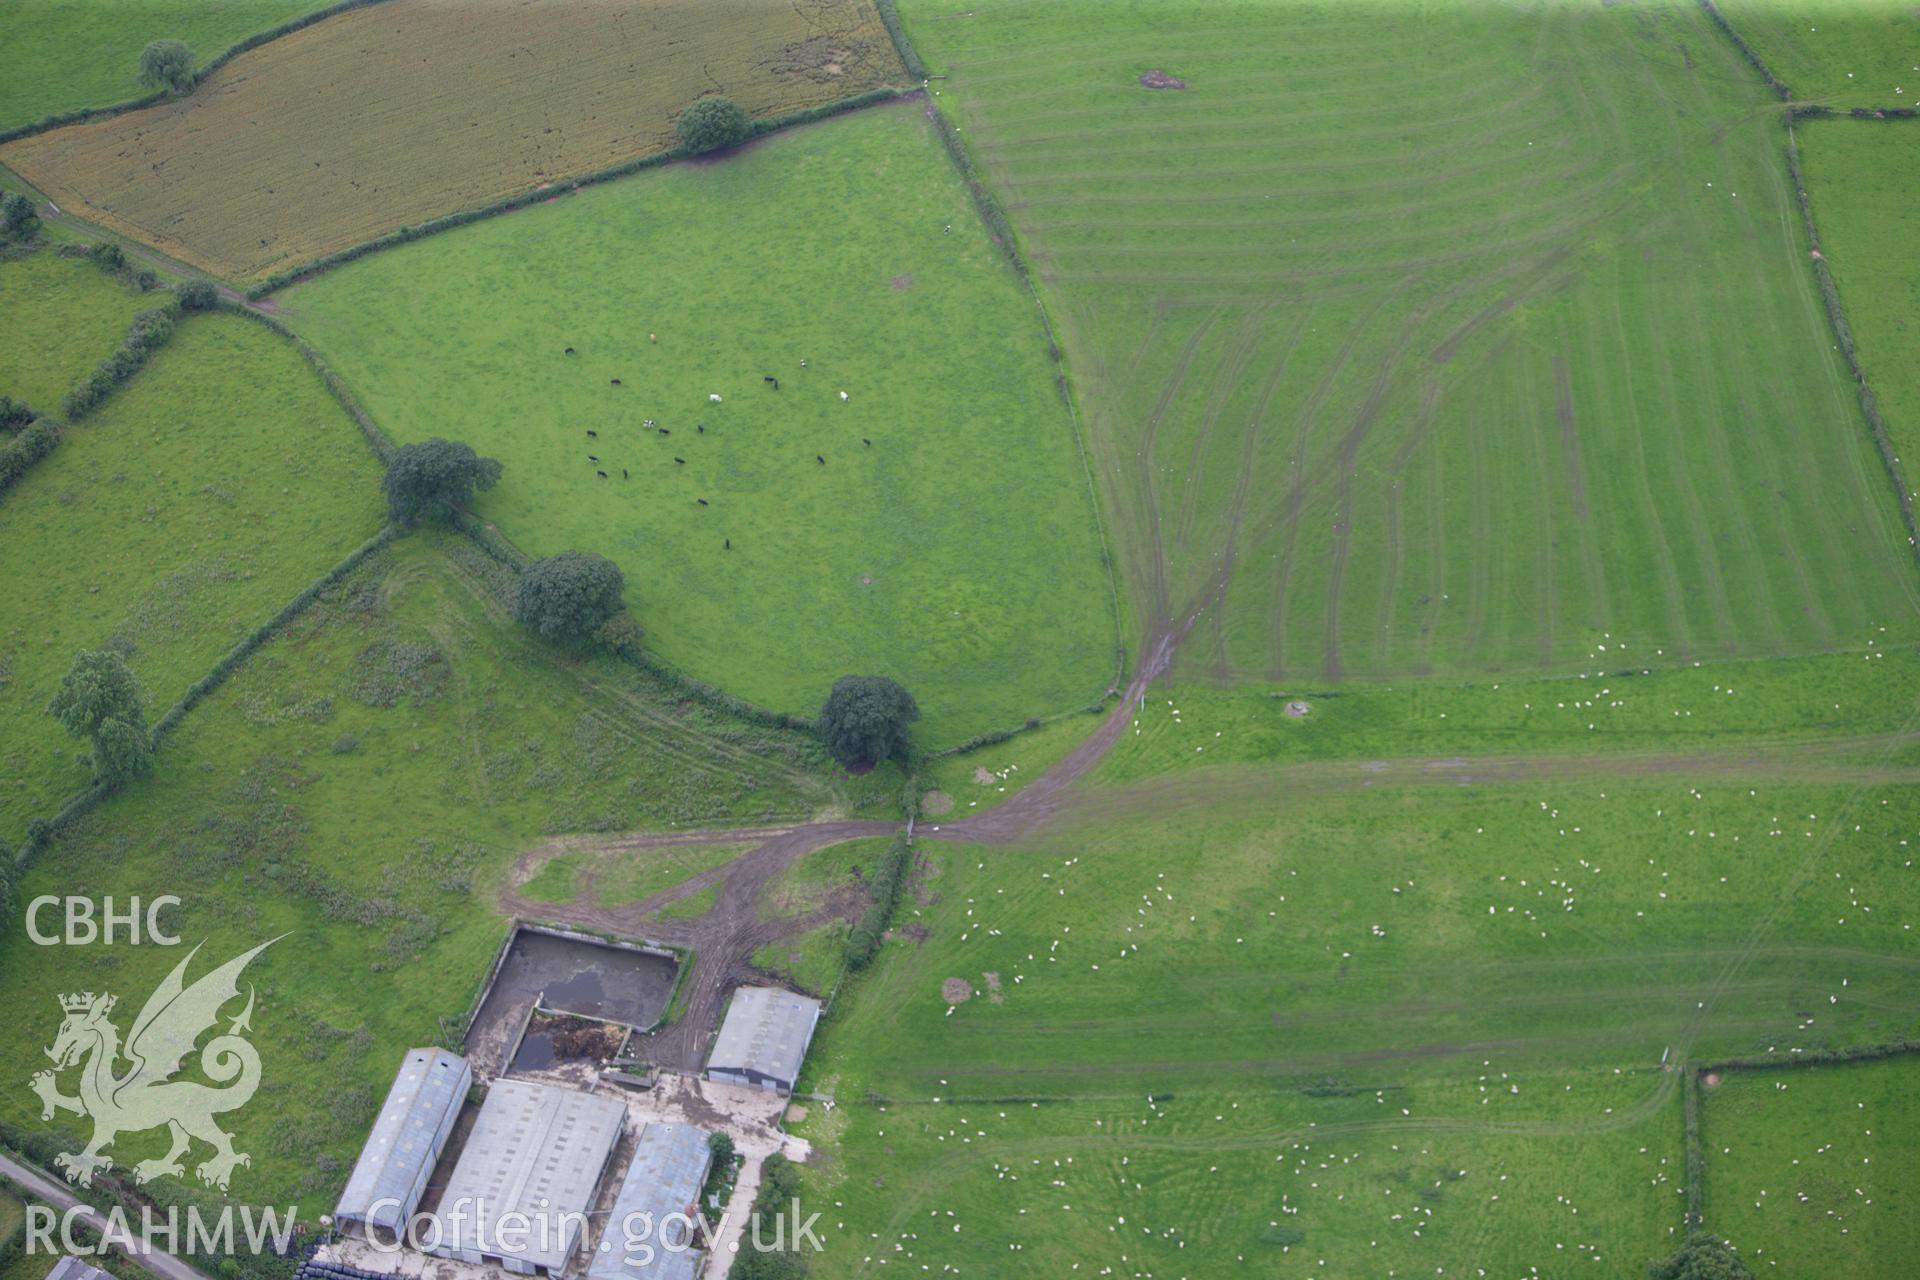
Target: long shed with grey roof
[(764, 1038), (405, 1143), (650, 1232), (537, 1152)]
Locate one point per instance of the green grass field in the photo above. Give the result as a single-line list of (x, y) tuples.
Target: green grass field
[(1812, 1171), (73, 314), (63, 55), (363, 781), (1785, 710), (1856, 173), (956, 553), (1845, 53), (1408, 978), (1439, 376), (187, 510)]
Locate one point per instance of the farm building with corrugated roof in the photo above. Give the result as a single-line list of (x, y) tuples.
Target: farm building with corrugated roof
[(407, 1138), (650, 1232), (764, 1038), (536, 1151)]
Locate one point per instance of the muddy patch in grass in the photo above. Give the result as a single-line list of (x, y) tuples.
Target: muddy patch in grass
[(1157, 79), (956, 991), (902, 282)]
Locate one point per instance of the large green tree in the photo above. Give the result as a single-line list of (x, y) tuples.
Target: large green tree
[(710, 124), (100, 700), (428, 480), (167, 63), (867, 719), (568, 597), (1703, 1257), (19, 219)]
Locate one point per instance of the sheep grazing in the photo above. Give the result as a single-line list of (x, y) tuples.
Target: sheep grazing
[(701, 501), (616, 382), (681, 461), (593, 435), (701, 427), (817, 458), (591, 458), (651, 338), (767, 377), (663, 431), (569, 350), (729, 544), (623, 473), (601, 474), (843, 395), (713, 399), (866, 442)]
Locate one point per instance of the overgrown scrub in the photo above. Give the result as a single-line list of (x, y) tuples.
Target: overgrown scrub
[(151, 330)]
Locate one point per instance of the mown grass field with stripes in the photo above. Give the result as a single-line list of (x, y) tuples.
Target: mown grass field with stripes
[(184, 512), (935, 525), (1431, 339), (401, 112)]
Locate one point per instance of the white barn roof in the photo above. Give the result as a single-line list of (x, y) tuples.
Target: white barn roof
[(764, 1038), (406, 1140), (669, 1165), (535, 1150)]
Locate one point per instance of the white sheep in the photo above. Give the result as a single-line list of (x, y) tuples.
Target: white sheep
[(714, 399)]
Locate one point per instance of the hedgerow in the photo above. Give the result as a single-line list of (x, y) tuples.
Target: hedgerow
[(447, 222), (149, 332), (863, 941), (40, 438), (909, 58)]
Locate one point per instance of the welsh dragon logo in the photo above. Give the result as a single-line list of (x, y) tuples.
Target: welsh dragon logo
[(144, 1096)]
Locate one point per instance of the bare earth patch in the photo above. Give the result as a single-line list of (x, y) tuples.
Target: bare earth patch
[(956, 991), (993, 987), (936, 803), (985, 777), (1297, 709), (796, 1112), (902, 282), (1711, 1079), (1157, 79)]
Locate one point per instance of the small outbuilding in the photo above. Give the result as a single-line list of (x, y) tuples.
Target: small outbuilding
[(405, 1143), (651, 1232), (764, 1038), (535, 1158)]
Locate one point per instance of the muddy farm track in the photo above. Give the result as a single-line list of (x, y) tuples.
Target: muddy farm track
[(723, 940)]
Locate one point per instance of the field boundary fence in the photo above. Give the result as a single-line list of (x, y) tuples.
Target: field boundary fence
[(1843, 333), (1697, 1072), (1823, 275)]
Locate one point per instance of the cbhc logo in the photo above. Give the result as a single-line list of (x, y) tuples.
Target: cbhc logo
[(86, 924)]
